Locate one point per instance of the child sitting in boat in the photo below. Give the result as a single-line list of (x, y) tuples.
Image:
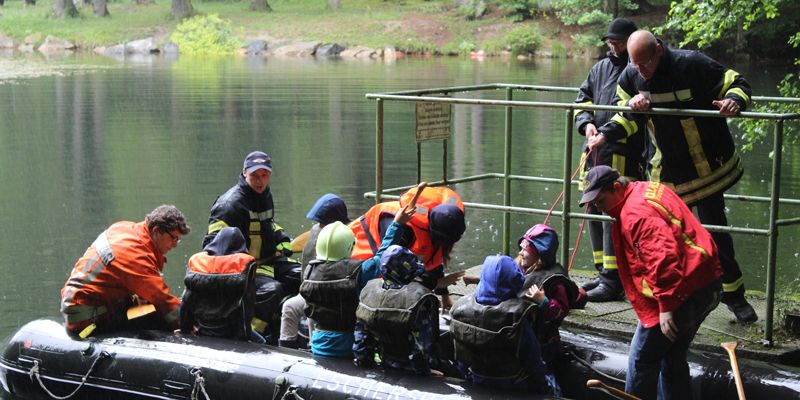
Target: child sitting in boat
[(398, 316), (332, 283), (219, 299)]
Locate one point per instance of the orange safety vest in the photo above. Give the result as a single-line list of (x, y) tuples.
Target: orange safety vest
[(230, 264), (366, 228), (121, 262)]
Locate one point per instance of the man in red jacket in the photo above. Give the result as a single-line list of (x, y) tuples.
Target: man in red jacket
[(670, 269), (122, 268)]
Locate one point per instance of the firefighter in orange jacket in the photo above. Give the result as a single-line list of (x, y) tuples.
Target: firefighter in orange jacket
[(437, 225), (123, 268)]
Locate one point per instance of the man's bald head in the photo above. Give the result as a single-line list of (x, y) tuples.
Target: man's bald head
[(645, 52)]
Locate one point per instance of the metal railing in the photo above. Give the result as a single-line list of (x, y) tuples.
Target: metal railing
[(427, 95)]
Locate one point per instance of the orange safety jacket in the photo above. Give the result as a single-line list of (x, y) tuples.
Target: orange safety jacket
[(368, 237), (122, 262)]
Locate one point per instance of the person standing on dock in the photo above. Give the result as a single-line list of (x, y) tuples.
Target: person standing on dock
[(248, 206), (695, 156), (624, 154), (670, 268), (122, 269)]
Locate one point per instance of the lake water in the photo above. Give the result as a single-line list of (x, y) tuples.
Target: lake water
[(89, 146)]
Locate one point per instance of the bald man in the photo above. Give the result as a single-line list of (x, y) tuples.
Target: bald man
[(695, 156)]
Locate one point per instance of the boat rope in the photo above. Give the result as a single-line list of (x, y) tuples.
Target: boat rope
[(291, 391), (35, 374), (199, 386), (597, 371)]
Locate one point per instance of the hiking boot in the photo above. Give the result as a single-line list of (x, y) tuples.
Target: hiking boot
[(744, 312), (591, 284), (606, 291)]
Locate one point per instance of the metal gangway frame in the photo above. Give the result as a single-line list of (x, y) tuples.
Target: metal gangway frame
[(445, 95)]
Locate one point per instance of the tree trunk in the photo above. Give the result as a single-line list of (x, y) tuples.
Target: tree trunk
[(181, 9), (260, 5), (65, 8), (334, 4), (100, 8)]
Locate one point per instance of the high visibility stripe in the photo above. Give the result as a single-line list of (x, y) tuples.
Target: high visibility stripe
[(78, 312), (695, 145), (739, 92), (216, 226), (686, 239), (255, 238), (261, 216), (266, 270), (702, 187), (598, 257), (730, 76), (582, 176), (623, 96), (655, 160), (89, 271), (610, 262), (630, 126), (276, 227), (646, 291), (258, 325), (683, 95), (578, 110), (734, 286), (618, 162)]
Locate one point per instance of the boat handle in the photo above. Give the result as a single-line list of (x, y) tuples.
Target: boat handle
[(34, 374)]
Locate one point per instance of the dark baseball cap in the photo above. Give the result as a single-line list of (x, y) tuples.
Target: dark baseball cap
[(620, 29), (257, 160), (596, 179)]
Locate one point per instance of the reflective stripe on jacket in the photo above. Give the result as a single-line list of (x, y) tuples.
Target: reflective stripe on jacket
[(663, 252), (121, 262)]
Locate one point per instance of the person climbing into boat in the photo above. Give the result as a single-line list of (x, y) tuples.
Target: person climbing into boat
[(327, 209), (493, 330), (670, 268), (398, 317), (220, 293), (436, 227), (248, 206), (332, 283), (122, 268)]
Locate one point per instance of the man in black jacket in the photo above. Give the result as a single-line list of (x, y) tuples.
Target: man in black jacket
[(248, 206), (695, 156), (624, 154)]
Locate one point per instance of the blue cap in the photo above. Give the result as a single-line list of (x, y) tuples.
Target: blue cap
[(399, 266), (446, 223), (257, 160), (328, 208)]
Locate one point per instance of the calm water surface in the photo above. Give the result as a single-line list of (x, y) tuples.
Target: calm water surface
[(86, 148)]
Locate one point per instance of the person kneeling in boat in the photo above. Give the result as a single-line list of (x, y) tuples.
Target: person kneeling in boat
[(332, 283), (493, 329), (220, 289), (121, 269), (398, 317)]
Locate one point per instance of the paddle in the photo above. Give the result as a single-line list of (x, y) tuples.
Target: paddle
[(730, 347), (611, 391), (140, 311), (299, 242)]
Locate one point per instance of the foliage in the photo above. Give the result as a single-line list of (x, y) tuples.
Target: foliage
[(589, 12), (757, 130), (587, 40), (472, 9), (523, 39), (520, 9), (205, 35)]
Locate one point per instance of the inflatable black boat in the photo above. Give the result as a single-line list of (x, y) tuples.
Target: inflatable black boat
[(42, 362)]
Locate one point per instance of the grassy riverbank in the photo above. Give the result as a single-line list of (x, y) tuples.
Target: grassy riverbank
[(410, 25)]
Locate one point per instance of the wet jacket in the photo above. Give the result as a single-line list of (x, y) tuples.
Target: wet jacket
[(663, 253), (696, 156), (123, 261), (331, 290), (367, 227), (549, 279), (219, 296), (253, 214), (626, 153), (390, 314)]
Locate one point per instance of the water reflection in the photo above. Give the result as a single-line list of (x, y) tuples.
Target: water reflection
[(82, 150)]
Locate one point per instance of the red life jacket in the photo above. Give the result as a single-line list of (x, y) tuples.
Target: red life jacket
[(231, 264), (366, 228)]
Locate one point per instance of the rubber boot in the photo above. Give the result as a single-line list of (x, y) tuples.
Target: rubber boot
[(609, 289), (741, 309), (589, 285)]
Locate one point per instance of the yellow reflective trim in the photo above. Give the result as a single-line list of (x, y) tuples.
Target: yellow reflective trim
[(686, 239), (578, 110), (598, 257), (618, 162), (630, 126), (730, 76), (623, 96), (284, 246), (700, 188), (684, 95), (654, 191), (255, 238), (739, 92), (734, 286), (86, 332), (695, 147), (266, 270), (610, 262), (216, 226), (655, 160), (276, 227), (581, 184), (258, 325), (646, 291)]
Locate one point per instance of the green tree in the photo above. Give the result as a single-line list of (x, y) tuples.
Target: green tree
[(592, 14), (705, 22)]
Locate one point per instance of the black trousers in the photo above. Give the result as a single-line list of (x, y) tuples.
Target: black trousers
[(711, 211)]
